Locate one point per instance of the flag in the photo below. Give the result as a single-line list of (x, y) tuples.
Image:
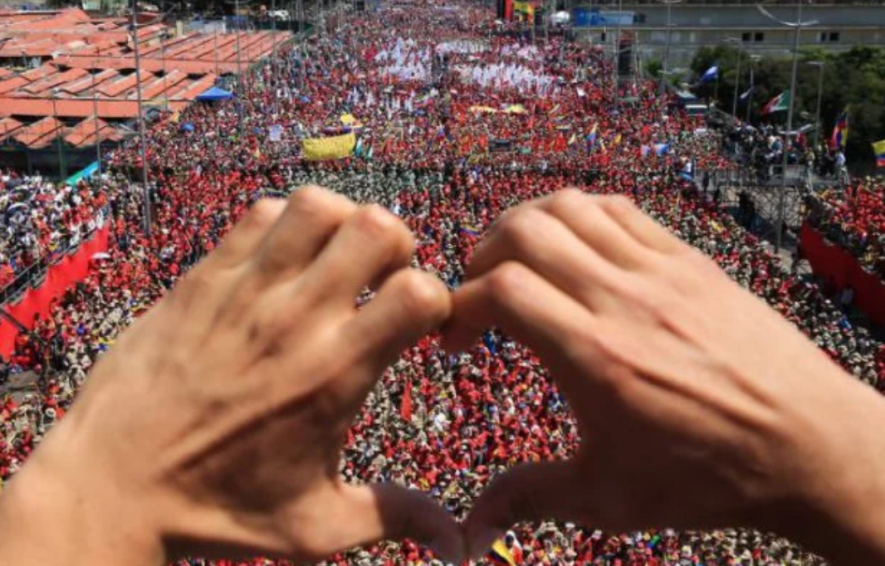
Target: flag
[(709, 75), (334, 147), (471, 230), (591, 137), (500, 554), (746, 94), (573, 139), (779, 103), (879, 149), (405, 408), (617, 140), (840, 131), (662, 149)]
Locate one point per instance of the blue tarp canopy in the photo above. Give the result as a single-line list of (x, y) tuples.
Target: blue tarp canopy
[(214, 94)]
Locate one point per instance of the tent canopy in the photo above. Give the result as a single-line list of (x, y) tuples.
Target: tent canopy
[(214, 94)]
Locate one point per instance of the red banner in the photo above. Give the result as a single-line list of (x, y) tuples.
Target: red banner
[(840, 269), (59, 278)]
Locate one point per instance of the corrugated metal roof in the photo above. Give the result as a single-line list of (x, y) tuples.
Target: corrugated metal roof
[(82, 108), (8, 126), (40, 133), (84, 133)]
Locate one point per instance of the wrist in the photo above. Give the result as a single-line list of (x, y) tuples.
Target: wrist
[(839, 510), (56, 511)]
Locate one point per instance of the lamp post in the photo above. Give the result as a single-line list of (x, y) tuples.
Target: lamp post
[(666, 70), (797, 26), (141, 127), (617, 53), (737, 80), (97, 133), (820, 92), (62, 169), (753, 60)]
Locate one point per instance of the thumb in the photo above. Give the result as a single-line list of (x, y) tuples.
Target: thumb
[(362, 515), (527, 493)]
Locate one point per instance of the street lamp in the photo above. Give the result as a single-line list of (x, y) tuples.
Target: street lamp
[(141, 128), (737, 80), (753, 60), (617, 53), (797, 25), (669, 4), (820, 91)]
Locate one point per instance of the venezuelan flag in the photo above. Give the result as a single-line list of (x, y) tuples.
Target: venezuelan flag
[(471, 230), (879, 149), (840, 132), (500, 554)]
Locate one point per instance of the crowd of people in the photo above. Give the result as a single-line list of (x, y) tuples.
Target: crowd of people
[(854, 218), (449, 138), (39, 218)]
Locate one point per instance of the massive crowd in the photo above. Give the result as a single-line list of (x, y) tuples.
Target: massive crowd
[(449, 151), (39, 218), (854, 218)]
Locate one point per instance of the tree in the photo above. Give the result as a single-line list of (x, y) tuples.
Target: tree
[(854, 79)]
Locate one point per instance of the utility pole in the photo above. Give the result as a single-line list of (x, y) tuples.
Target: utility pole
[(141, 128), (239, 72), (782, 197), (97, 135), (617, 51), (737, 80), (62, 168), (820, 92)]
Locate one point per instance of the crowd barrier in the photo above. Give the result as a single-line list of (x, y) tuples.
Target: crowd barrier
[(840, 269), (60, 276)]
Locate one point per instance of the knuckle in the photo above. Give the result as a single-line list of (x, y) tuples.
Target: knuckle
[(313, 202), (519, 228), (506, 281), (422, 295), (567, 200), (264, 213), (375, 220), (618, 204), (384, 228)]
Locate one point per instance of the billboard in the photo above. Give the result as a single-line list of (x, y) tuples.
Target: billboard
[(594, 17)]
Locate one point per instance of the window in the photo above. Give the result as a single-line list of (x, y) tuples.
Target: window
[(746, 37), (760, 36), (822, 37), (834, 36)]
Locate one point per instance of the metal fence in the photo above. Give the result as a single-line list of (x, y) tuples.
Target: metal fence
[(35, 274)]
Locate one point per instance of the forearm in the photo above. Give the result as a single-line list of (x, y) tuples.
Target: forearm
[(48, 517)]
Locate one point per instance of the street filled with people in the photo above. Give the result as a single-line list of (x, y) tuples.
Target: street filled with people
[(456, 118), (854, 218)]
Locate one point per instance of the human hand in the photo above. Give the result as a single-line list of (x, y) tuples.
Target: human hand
[(698, 405), (214, 427)]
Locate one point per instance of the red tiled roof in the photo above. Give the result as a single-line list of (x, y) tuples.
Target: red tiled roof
[(8, 126), (82, 108), (39, 134), (84, 133)]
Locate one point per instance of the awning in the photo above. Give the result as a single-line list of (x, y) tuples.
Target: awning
[(214, 94)]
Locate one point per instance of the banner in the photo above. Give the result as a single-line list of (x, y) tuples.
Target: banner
[(839, 269), (60, 277), (335, 147)]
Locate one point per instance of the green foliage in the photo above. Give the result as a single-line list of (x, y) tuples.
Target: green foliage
[(654, 68), (854, 79)]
